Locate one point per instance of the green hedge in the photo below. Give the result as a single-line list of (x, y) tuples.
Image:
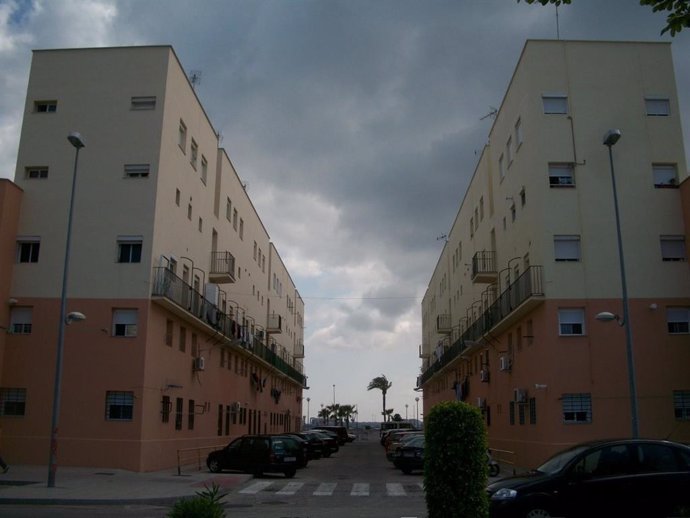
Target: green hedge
[(455, 462)]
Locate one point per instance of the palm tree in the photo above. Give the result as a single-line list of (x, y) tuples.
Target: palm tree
[(324, 414), (381, 383), (345, 413), (333, 412)]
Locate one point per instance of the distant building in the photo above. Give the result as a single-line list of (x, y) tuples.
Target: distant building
[(508, 317), (194, 328)]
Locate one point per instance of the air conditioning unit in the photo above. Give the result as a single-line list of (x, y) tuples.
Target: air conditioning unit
[(504, 363), (484, 376), (199, 363), (520, 395)]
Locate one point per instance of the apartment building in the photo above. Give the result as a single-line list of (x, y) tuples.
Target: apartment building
[(509, 317), (194, 328)]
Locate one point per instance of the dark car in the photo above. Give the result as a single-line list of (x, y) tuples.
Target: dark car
[(257, 454), (409, 456), (339, 431), (314, 445), (629, 477), (330, 442), (299, 445)]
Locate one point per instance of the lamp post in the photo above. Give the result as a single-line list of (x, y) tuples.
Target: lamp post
[(334, 395), (405, 411), (610, 140), (416, 400), (76, 140), (308, 400)]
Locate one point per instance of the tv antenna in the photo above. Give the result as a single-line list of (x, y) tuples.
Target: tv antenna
[(491, 114), (442, 236), (195, 78)]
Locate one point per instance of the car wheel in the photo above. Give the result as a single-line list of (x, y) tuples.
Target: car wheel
[(538, 512), (214, 465), (494, 470), (290, 473)]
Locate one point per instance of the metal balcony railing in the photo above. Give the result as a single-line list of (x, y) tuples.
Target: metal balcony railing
[(484, 266), (169, 286), (222, 268), (525, 287)]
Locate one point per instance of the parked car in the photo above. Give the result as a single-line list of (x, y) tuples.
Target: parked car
[(399, 440), (257, 454), (629, 477), (313, 443), (330, 442), (410, 455), (340, 431), (300, 446)]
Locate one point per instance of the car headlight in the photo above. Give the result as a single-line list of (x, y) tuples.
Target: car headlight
[(504, 494)]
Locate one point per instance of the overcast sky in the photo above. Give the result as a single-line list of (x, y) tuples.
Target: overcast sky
[(356, 124)]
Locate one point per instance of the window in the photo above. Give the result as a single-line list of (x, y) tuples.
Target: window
[(137, 170), (27, 250), (512, 212), (194, 154), (128, 250), (143, 103), (183, 339), (20, 321), (204, 168), (665, 175), (45, 106), (177, 197), (566, 248), (501, 168), (532, 410), (241, 228), (577, 408), (228, 209), (125, 322), (119, 405), (511, 412), (179, 406), (33, 173), (169, 327), (678, 320), (509, 150), (555, 104), (673, 248), (681, 404), (561, 175), (182, 137), (657, 106), (189, 211), (523, 197), (190, 414), (481, 208), (234, 219), (518, 134), (571, 322), (166, 406), (12, 401), (201, 225)]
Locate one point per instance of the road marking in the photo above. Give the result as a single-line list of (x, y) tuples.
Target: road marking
[(290, 488), (421, 485), (255, 488), (395, 489), (325, 489), (360, 490)]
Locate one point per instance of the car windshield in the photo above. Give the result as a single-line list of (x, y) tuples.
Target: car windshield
[(416, 441), (558, 461)]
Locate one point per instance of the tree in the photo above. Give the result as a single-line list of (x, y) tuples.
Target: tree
[(333, 412), (677, 19), (381, 383), (345, 413), (397, 418), (324, 414)]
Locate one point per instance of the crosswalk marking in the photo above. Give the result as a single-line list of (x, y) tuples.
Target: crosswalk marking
[(395, 489), (290, 488), (360, 489), (256, 487), (325, 489)]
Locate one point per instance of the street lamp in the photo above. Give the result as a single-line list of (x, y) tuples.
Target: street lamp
[(334, 395), (417, 413), (76, 140), (308, 400), (610, 140), (405, 411)]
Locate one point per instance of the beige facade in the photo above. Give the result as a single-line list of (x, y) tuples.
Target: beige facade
[(187, 341), (509, 314)]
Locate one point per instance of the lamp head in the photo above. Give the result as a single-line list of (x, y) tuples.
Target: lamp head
[(76, 140), (606, 316), (74, 316), (612, 137)]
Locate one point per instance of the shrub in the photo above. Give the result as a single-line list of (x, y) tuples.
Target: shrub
[(205, 505), (455, 466)]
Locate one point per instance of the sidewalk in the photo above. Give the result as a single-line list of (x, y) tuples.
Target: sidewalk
[(73, 486)]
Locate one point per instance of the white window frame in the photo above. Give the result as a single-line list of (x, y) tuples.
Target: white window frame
[(21, 320), (501, 168), (555, 104), (137, 170), (678, 320), (509, 150), (204, 169), (125, 322), (194, 154), (657, 106), (561, 174), (665, 176), (32, 243), (45, 106), (182, 137), (518, 134), (123, 399), (228, 209), (567, 248), (36, 172), (574, 405), (568, 319), (673, 248)]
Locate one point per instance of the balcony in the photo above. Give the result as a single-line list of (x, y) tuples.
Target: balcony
[(484, 267), (299, 351), (274, 325), (222, 269), (516, 301), (443, 324), (172, 293)]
